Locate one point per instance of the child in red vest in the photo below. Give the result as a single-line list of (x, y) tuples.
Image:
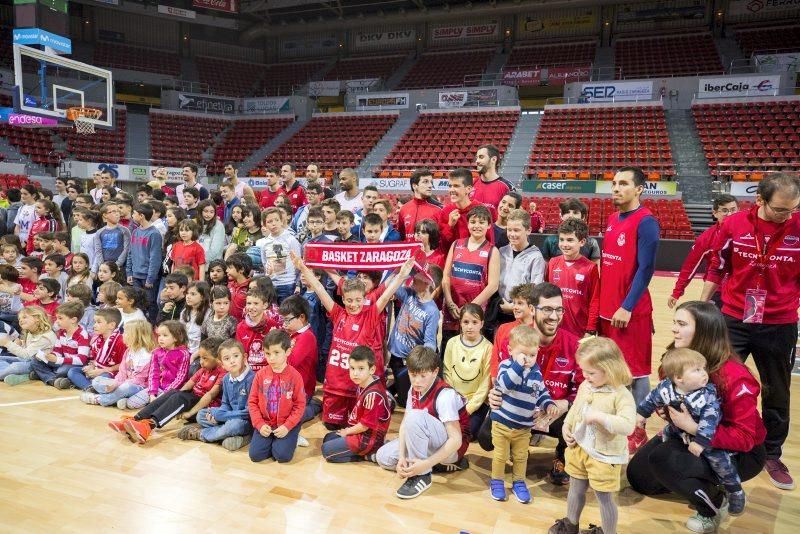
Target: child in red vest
[(253, 329)]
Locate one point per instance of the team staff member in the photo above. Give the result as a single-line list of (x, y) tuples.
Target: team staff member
[(628, 263), (491, 187), (722, 206), (422, 206), (294, 190), (453, 220), (759, 251)]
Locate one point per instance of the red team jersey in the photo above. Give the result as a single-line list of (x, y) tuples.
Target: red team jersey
[(373, 409), (193, 255), (414, 211), (468, 276), (297, 195), (701, 250), (736, 254), (268, 198), (491, 193), (580, 288), (427, 402), (350, 331)]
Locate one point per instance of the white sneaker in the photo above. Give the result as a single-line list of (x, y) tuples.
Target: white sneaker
[(122, 404), (302, 442)]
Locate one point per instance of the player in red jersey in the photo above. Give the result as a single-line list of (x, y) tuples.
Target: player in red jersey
[(556, 359), (353, 325), (292, 188), (577, 277), (629, 257), (453, 217), (369, 420), (471, 272), (490, 187), (722, 206), (273, 190), (422, 206), (759, 251)]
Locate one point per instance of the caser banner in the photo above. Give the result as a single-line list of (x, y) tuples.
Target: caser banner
[(378, 101), (519, 76), (397, 39), (229, 6), (617, 91), (266, 106), (739, 86), (205, 103)]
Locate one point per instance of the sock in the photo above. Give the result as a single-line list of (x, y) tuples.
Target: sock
[(576, 499), (608, 511)]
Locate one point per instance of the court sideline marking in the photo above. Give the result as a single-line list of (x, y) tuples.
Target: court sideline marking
[(22, 403)]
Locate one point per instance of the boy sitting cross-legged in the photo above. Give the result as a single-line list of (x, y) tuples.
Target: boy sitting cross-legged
[(434, 434), (106, 351), (370, 418), (71, 348), (230, 421)]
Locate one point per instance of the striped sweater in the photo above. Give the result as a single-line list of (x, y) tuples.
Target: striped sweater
[(523, 392)]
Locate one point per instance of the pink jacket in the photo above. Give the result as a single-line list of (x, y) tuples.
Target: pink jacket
[(169, 370), (134, 368)]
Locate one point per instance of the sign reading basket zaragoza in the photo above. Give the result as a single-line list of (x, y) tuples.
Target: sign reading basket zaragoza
[(379, 101)]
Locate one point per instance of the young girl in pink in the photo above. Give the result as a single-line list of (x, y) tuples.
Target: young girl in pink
[(170, 367), (129, 388)]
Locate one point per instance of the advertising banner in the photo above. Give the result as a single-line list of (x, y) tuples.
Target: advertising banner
[(362, 256), (19, 119), (379, 101), (360, 86), (661, 11), (324, 88), (653, 189), (753, 7), (565, 75), (309, 46), (228, 6), (397, 39), (469, 98), (739, 86), (177, 12), (777, 62), (465, 32), (584, 20), (266, 106), (744, 189), (206, 104), (36, 36), (519, 76), (558, 186), (617, 91), (134, 173), (400, 184)]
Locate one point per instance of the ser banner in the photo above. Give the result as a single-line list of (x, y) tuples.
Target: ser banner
[(361, 256)]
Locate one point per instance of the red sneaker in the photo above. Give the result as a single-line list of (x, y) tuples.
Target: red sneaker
[(119, 425), (138, 431), (779, 474), (636, 440)]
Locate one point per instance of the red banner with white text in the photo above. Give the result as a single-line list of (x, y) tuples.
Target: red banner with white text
[(517, 76), (229, 6), (360, 256)]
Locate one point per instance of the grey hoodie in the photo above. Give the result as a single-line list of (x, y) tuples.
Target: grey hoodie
[(527, 267)]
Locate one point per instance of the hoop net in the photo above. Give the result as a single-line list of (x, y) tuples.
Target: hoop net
[(78, 116)]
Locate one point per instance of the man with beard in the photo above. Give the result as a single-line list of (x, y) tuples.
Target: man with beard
[(190, 182), (295, 191), (232, 177), (491, 187), (350, 197), (314, 175), (273, 190), (422, 206), (556, 359), (628, 263)]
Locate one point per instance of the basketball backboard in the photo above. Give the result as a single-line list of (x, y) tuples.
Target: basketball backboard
[(47, 85)]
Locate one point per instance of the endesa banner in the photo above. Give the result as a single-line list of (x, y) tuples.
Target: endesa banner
[(739, 86), (520, 76), (228, 6)]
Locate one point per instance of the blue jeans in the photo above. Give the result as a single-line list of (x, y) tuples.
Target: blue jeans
[(284, 292), (224, 429), (108, 397), (282, 449), (80, 380), (335, 449), (48, 372), (313, 409), (152, 298), (11, 365)]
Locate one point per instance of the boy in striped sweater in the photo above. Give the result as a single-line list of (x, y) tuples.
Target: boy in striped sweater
[(71, 348), (520, 381)]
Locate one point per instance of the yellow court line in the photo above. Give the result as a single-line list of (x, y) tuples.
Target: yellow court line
[(22, 403)]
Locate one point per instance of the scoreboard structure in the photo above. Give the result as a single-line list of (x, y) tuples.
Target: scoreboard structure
[(48, 15)]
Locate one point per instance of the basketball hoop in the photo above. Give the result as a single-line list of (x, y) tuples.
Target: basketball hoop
[(79, 116)]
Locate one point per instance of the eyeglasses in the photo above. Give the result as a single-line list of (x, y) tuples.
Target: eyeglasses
[(783, 211), (287, 320), (547, 310), (726, 211)]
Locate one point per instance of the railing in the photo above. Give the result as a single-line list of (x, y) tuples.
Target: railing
[(742, 65), (755, 171)]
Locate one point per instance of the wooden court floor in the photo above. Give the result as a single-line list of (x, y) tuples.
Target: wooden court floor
[(63, 470)]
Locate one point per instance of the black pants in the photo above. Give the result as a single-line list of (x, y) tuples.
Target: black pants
[(167, 406), (773, 350), (401, 381), (668, 467), (485, 435)]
